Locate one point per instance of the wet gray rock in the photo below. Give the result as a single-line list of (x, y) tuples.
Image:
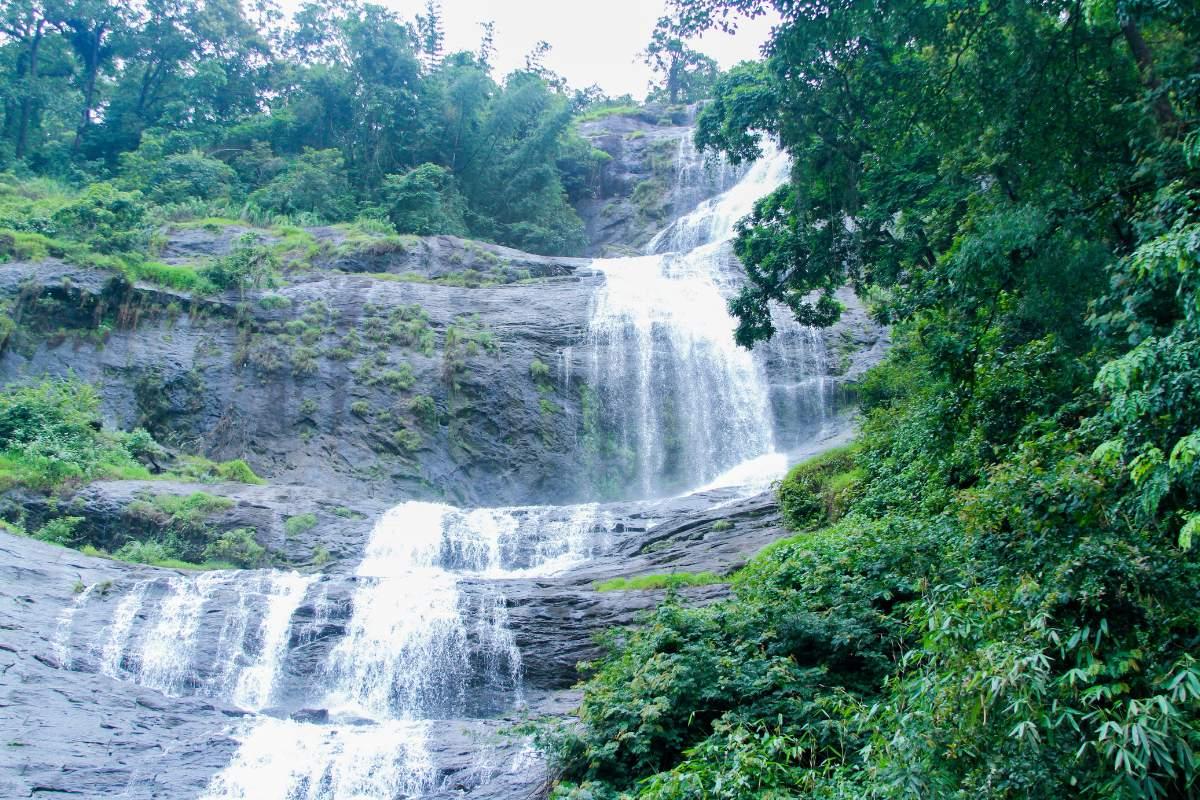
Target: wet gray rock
[(303, 394), (225, 378), (185, 245), (80, 732), (640, 188)]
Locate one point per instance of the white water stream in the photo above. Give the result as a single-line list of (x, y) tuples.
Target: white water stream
[(417, 648)]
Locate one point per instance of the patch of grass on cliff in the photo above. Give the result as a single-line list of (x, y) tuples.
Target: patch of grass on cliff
[(157, 554), (602, 112), (301, 523), (821, 489), (205, 470), (673, 580), (51, 435)]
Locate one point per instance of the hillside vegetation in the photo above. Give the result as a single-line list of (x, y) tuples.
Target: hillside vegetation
[(212, 109), (994, 594)]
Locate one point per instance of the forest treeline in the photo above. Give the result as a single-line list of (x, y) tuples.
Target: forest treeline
[(993, 593), (343, 110)]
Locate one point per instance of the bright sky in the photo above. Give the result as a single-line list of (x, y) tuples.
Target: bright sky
[(593, 41)]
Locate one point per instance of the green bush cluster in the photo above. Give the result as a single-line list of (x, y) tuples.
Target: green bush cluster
[(818, 491), (237, 547), (51, 434), (301, 523), (994, 593), (673, 580)]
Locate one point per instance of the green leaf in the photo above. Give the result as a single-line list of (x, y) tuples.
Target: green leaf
[(1189, 529)]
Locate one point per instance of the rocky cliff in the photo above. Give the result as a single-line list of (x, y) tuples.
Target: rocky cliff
[(377, 369), (370, 372)]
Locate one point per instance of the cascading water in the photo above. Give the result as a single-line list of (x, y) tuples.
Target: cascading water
[(162, 651), (674, 387), (422, 637), (411, 654)]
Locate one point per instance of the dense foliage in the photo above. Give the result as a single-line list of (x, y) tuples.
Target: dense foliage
[(211, 107), (52, 438), (51, 433), (1006, 607)]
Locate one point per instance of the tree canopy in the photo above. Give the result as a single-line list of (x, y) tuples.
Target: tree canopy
[(1003, 604), (324, 118)]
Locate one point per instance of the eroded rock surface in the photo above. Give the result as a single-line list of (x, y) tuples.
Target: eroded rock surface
[(81, 732)]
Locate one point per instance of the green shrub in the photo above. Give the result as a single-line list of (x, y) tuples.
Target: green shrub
[(722, 525), (398, 380), (248, 265), (407, 440), (60, 530), (304, 360), (237, 547), (184, 176), (423, 408), (274, 301), (300, 523), (602, 111), (673, 580), (105, 219), (50, 432), (360, 408), (538, 370), (198, 468), (425, 201), (237, 471), (183, 277), (143, 552), (818, 490), (314, 183), (188, 510)]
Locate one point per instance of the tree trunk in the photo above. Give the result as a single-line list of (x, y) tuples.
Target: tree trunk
[(1164, 115), (27, 101), (89, 93)]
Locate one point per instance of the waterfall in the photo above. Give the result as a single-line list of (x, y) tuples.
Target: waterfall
[(284, 760), (64, 624), (256, 682), (163, 652), (674, 387), (413, 651), (353, 678)]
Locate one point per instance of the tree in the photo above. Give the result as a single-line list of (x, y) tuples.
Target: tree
[(91, 27), (313, 183), (687, 75), (994, 596), (24, 26), (430, 33), (424, 201)]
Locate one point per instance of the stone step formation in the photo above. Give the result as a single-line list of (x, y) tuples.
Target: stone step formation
[(395, 671)]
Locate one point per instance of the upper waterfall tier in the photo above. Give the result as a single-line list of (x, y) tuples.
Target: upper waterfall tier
[(682, 401)]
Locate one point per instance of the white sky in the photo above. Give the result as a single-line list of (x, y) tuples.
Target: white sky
[(593, 41)]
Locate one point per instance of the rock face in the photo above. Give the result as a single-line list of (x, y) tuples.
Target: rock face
[(83, 732), (653, 176), (356, 382), (436, 371)]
